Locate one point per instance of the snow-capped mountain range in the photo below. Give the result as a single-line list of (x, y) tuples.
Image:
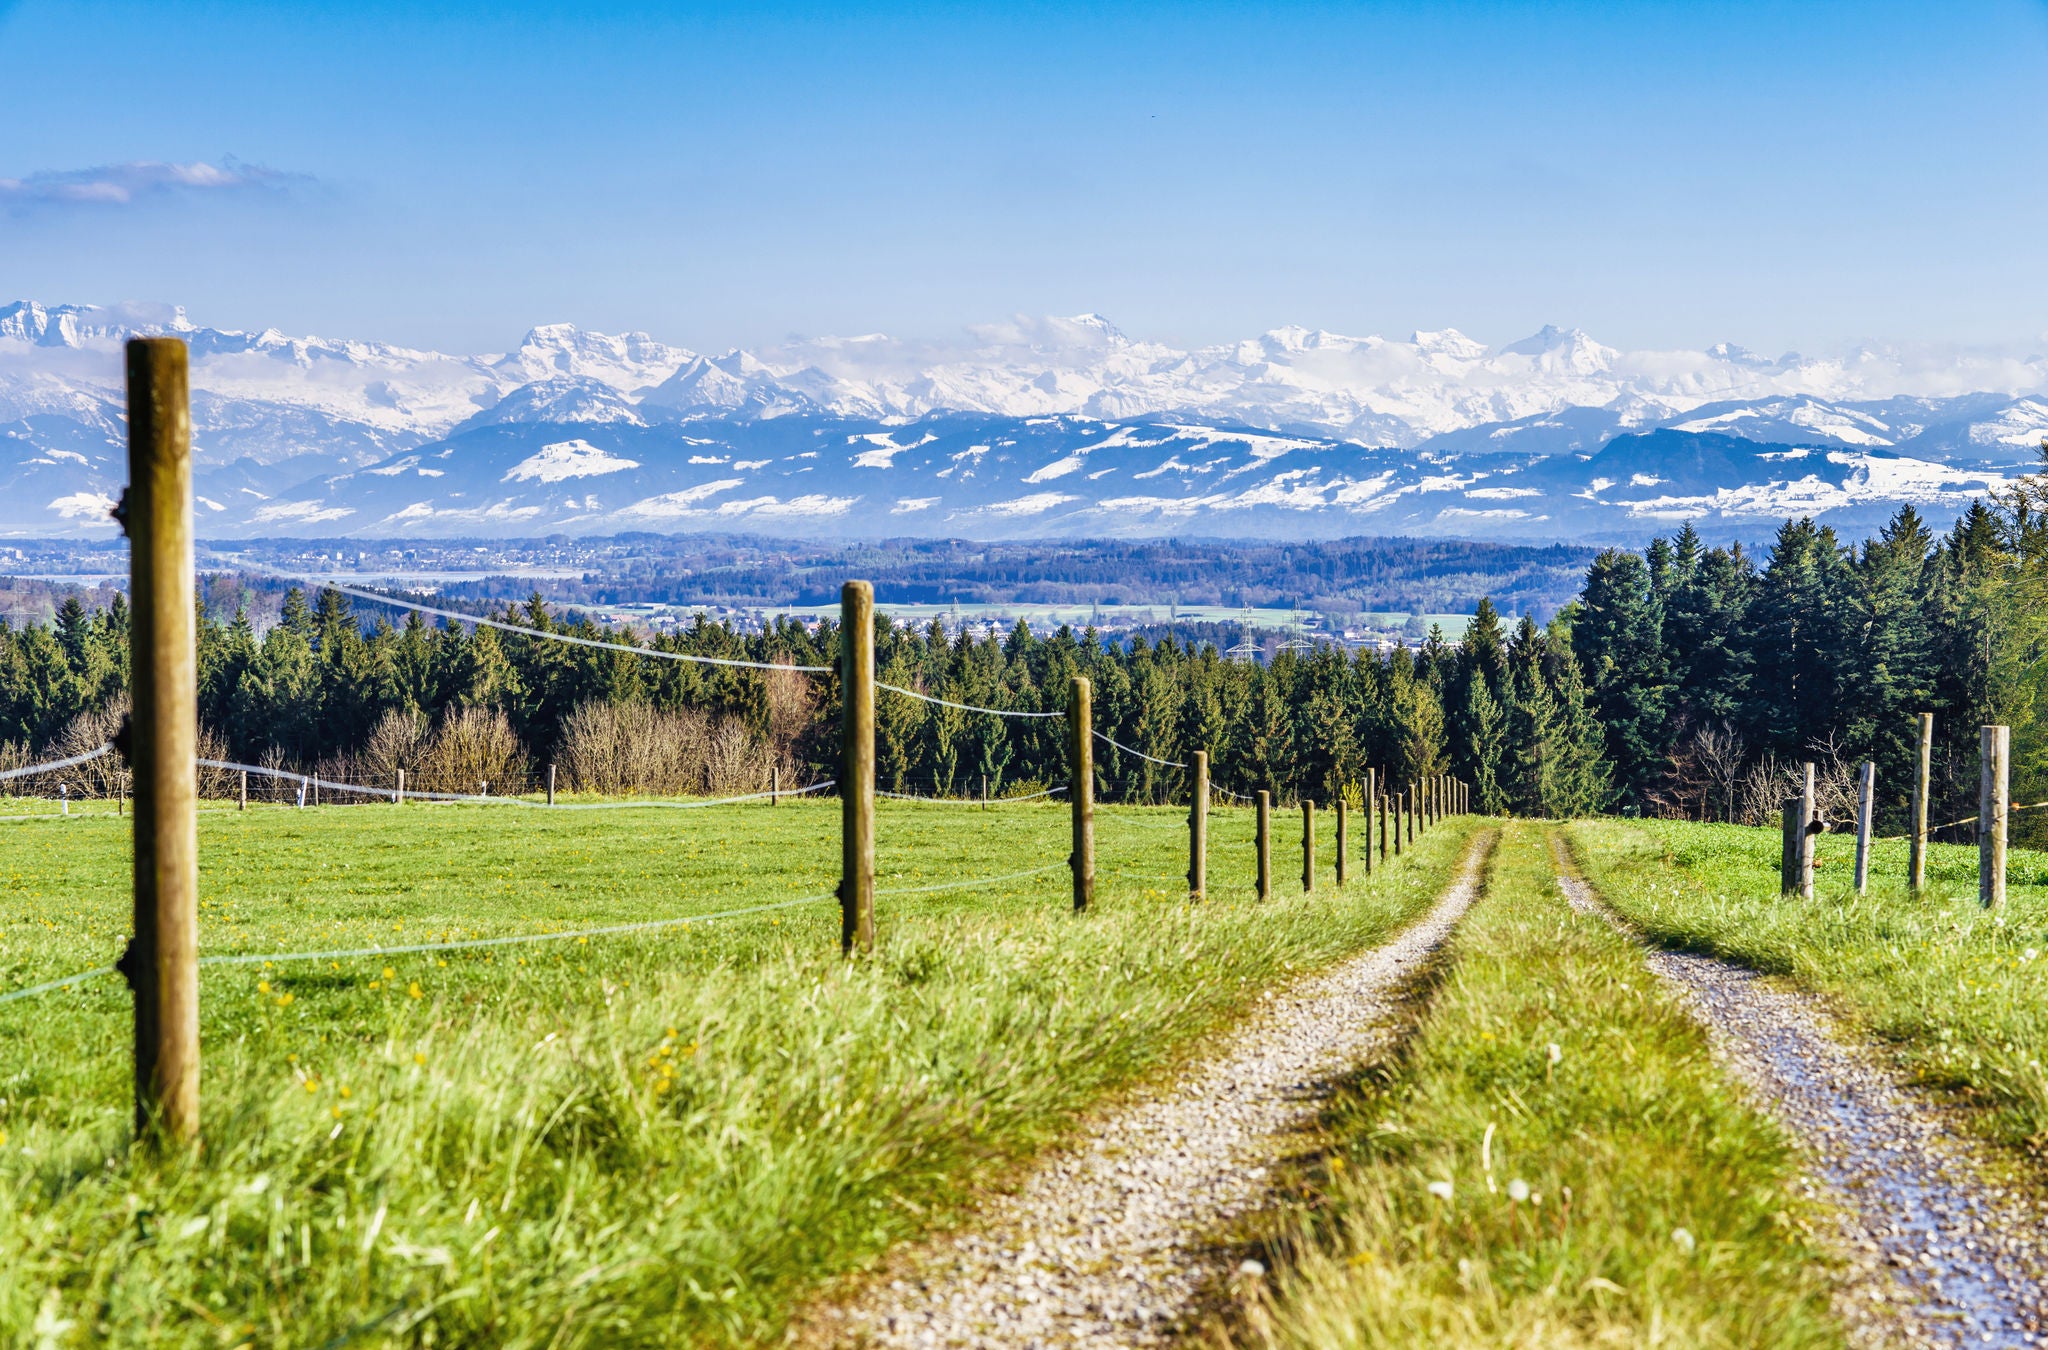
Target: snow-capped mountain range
[(1048, 426)]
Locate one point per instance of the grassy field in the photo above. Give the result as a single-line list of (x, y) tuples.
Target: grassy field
[(1961, 994), (655, 1138), (1555, 1162)]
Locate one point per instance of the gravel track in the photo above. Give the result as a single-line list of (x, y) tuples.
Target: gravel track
[(1938, 1256), (1111, 1244)]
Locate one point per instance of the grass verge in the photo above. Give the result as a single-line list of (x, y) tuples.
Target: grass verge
[(1959, 993), (652, 1139), (1490, 1191)]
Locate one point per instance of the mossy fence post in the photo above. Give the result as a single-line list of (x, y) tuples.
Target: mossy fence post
[(162, 959), (1265, 844), (857, 767), (1081, 737), (1923, 773), (1198, 827), (1995, 753)]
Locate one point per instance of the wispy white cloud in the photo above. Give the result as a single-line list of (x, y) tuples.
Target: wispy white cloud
[(116, 185)]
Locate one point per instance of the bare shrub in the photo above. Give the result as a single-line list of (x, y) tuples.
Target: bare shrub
[(474, 746), (631, 748), (398, 741)]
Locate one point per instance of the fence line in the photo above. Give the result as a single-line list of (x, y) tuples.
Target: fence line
[(970, 801), (35, 989), (499, 624), (391, 794), (55, 764), (1169, 763), (964, 707)]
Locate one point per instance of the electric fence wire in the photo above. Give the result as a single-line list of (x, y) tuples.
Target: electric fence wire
[(964, 707), (392, 794), (1169, 763), (472, 944), (399, 602), (55, 764), (969, 801)]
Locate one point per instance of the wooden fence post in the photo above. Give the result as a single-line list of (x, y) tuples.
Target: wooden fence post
[(1343, 838), (551, 784), (242, 792), (857, 767), (162, 960), (1369, 802), (1866, 797), (1399, 803), (1383, 809), (1198, 827), (1081, 792), (1408, 800), (1788, 849), (1995, 744), (774, 784), (1916, 862), (399, 800), (1265, 844), (984, 790), (1808, 827), (1308, 845)]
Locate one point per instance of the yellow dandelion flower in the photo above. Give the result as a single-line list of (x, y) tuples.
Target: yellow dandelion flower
[(262, 986), (414, 990), (346, 1093), (284, 1000), (376, 984), (419, 1057), (312, 1085), (336, 1112), (390, 974)]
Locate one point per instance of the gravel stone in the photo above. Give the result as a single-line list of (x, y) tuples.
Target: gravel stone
[(1937, 1256), (1111, 1243)]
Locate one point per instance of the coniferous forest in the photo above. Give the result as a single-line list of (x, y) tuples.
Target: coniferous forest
[(1684, 680)]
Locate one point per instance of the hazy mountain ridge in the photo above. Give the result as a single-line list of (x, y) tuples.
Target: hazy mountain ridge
[(1054, 426)]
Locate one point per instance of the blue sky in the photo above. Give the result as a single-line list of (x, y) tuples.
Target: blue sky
[(1780, 175)]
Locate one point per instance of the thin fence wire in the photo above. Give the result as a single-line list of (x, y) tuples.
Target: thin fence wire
[(1169, 763), (964, 707), (399, 602), (392, 794), (968, 801), (51, 985), (53, 765)]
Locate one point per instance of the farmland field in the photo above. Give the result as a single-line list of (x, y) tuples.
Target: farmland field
[(654, 1137)]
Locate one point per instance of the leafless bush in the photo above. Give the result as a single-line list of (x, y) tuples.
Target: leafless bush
[(1768, 783), (398, 741), (631, 748), (473, 746)]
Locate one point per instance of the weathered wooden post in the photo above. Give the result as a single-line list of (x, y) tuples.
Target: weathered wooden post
[(1788, 849), (242, 792), (1809, 826), (1866, 799), (1923, 774), (1371, 809), (984, 790), (1400, 812), (774, 785), (1265, 844), (1343, 838), (399, 799), (1198, 827), (1995, 745), (551, 784), (1386, 811), (1081, 741), (162, 959), (1408, 800), (857, 767), (1308, 845)]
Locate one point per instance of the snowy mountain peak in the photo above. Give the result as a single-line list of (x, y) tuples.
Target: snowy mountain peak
[(1447, 342), (566, 398), (627, 361)]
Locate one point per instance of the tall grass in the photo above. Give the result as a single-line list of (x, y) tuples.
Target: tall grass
[(653, 1140), (1614, 1192), (1959, 992)]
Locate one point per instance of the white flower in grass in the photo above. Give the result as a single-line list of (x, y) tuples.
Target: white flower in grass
[(1556, 1052), (1518, 1190), (1684, 1240), (2030, 954), (1441, 1190)]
